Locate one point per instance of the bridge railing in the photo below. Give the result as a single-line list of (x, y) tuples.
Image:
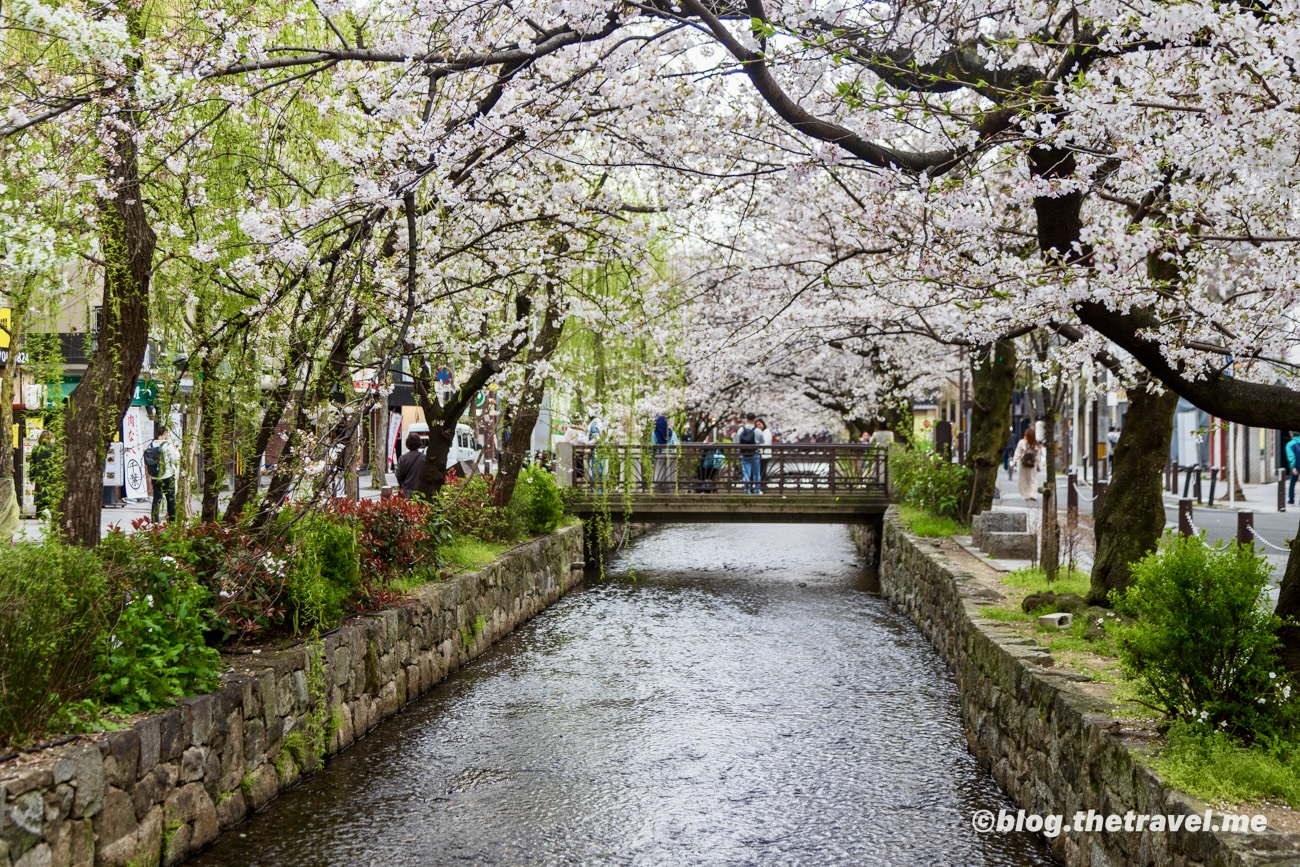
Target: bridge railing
[(707, 468)]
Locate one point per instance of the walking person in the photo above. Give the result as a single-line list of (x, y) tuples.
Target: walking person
[(750, 466), (1112, 440), (1026, 459), (1293, 461), (161, 461), (410, 465), (764, 454)]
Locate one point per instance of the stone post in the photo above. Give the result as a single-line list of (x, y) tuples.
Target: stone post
[(564, 464), (1245, 528)]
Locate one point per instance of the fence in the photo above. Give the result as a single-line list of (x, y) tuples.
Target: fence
[(788, 469)]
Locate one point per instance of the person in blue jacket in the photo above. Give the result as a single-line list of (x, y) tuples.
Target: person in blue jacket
[(1293, 461)]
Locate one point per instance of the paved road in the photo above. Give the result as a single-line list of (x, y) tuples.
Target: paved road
[(1219, 522)]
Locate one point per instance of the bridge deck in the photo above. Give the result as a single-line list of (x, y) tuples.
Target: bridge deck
[(720, 482), (734, 508)]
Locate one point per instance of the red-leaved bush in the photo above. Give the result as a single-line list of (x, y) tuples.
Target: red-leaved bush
[(397, 536)]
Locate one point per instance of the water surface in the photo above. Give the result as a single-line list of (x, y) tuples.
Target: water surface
[(725, 695)]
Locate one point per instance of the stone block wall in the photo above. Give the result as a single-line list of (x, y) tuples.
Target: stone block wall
[(1049, 745), (166, 786)]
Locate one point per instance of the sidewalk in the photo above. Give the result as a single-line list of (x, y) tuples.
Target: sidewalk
[(33, 529), (1258, 498)]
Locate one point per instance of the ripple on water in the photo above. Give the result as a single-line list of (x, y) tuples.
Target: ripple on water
[(725, 696)]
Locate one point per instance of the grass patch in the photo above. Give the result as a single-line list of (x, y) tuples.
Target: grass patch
[(1211, 766), (412, 581), (469, 553), (921, 523), (1034, 580), (1006, 614)]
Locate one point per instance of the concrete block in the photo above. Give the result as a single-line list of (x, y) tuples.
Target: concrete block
[(995, 521), (1059, 620), (1010, 546)]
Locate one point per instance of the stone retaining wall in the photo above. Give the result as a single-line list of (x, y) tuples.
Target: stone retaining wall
[(165, 787), (1051, 747)]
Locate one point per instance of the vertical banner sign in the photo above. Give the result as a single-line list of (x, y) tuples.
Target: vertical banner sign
[(394, 437), (5, 320), (134, 439)]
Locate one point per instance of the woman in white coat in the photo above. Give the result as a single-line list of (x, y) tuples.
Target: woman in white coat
[(1028, 456)]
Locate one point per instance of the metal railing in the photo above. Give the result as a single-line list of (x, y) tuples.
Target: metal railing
[(707, 468)]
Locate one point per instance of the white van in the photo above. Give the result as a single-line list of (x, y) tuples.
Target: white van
[(463, 448)]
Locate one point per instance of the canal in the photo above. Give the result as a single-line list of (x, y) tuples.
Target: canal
[(727, 694)]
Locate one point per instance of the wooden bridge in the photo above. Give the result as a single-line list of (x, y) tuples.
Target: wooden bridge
[(705, 482)]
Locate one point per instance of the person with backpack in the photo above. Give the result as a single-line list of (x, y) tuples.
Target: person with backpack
[(1293, 461), (161, 461), (1026, 459), (750, 462)]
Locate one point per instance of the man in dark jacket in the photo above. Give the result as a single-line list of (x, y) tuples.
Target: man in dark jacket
[(410, 464)]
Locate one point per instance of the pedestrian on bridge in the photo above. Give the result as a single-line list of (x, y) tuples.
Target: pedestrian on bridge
[(764, 454), (750, 462), (665, 440)]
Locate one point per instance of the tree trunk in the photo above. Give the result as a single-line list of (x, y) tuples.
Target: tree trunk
[(379, 447), (351, 461), (1288, 604), (442, 420), (210, 441), (1131, 517), (97, 405), (194, 424), (993, 381), (248, 481), (522, 415), (1050, 554)]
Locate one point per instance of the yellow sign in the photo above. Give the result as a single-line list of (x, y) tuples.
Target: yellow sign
[(5, 319), (15, 436)]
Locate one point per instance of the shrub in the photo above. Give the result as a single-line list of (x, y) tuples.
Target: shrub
[(52, 624), (928, 480), (246, 573), (1205, 648), (155, 652), (468, 507), (535, 505), (397, 537), (326, 570)]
